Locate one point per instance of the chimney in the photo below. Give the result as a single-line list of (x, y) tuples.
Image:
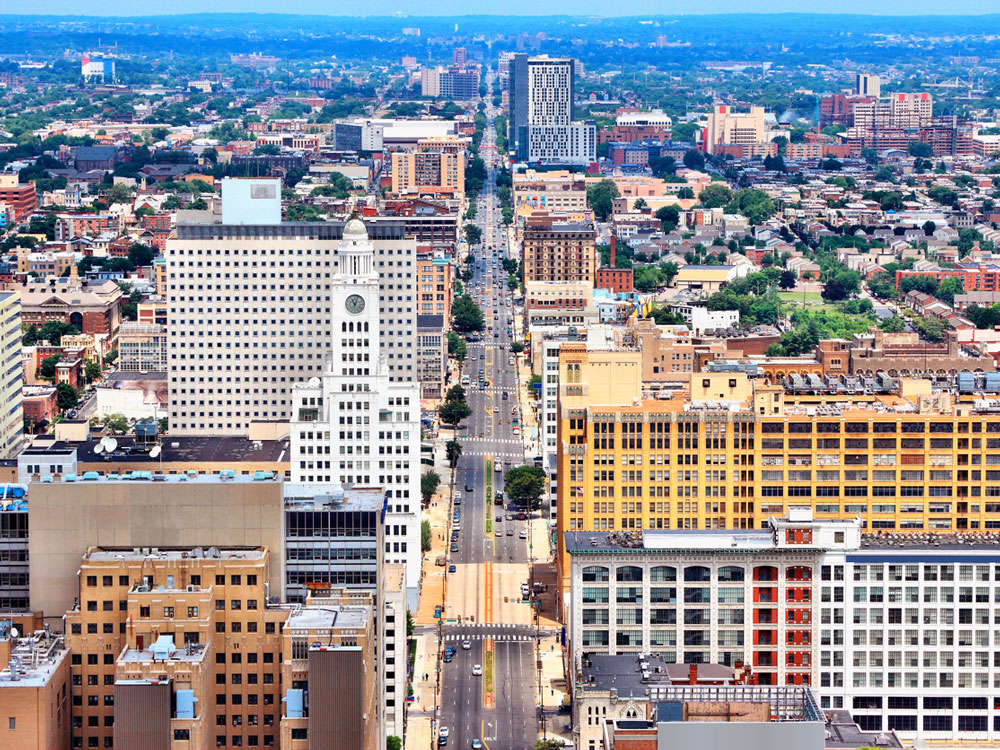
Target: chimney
[(611, 259), (693, 674)]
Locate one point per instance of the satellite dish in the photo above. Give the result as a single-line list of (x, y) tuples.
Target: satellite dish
[(109, 444), (99, 448), (313, 382), (14, 632), (155, 452)]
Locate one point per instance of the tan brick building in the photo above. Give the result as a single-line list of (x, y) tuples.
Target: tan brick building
[(34, 707), (181, 649), (554, 249)]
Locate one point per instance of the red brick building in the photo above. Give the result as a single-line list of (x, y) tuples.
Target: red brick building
[(93, 308), (617, 280), (69, 226), (975, 279), (21, 198), (40, 406)]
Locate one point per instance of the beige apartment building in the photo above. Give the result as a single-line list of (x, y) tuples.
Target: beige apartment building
[(737, 128), (561, 191), (142, 347), (11, 375), (555, 249), (434, 169), (434, 285)]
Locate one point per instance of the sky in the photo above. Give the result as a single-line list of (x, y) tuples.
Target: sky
[(495, 7)]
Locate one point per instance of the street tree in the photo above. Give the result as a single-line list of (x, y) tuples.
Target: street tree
[(715, 195), (473, 234), (453, 412), (600, 197), (457, 347), (429, 483), (525, 485), (516, 347), (466, 317), (453, 451), (66, 396)]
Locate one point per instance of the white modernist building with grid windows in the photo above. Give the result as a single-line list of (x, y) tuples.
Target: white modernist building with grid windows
[(352, 426), (898, 629)]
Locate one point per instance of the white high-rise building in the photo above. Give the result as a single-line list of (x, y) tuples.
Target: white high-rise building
[(353, 425), (250, 307)]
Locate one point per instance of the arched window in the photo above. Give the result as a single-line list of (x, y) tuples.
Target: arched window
[(697, 573), (731, 573), (629, 573), (663, 573), (595, 574)]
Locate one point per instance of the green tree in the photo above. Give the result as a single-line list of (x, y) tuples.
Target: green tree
[(54, 330), (453, 412), (93, 371), (669, 217), (119, 194), (455, 393), (640, 203), (833, 290), (787, 280), (715, 195), (923, 150), (457, 347), (948, 288), (775, 350), (548, 744), (869, 155), (929, 227), (685, 193), (525, 486), (141, 255), (516, 347), (66, 396), (429, 483), (47, 369), (453, 451), (694, 159), (892, 324), (392, 742), (30, 336), (466, 317), (600, 197), (425, 536), (116, 424), (473, 234)]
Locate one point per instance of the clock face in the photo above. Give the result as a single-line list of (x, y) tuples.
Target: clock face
[(355, 304)]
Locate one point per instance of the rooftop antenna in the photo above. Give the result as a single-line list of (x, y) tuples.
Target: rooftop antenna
[(110, 444)]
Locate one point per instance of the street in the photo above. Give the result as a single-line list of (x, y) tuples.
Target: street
[(483, 603)]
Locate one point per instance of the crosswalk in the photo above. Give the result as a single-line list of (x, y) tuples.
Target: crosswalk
[(500, 638), (503, 441)]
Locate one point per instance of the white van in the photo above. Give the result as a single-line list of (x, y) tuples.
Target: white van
[(465, 380)]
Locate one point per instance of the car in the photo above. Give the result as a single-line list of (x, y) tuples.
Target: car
[(498, 532), (449, 650), (477, 745), (466, 645), (496, 409), (522, 517), (477, 670), (499, 519), (510, 532), (443, 732), (523, 535), (442, 741), (447, 658), (468, 488), (454, 548), (452, 568), (505, 395), (482, 356)]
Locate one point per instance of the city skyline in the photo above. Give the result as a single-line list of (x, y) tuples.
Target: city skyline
[(458, 9)]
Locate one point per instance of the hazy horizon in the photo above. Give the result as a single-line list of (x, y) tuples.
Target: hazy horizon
[(457, 8)]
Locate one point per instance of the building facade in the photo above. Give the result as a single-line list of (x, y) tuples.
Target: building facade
[(352, 426), (251, 314), (11, 376), (142, 347), (558, 250)]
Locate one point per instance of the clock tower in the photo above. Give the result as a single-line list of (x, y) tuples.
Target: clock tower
[(355, 305)]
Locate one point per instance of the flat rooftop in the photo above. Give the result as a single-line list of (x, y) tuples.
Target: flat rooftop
[(103, 554), (889, 541), (329, 617), (332, 497), (46, 653), (183, 450), (624, 673)]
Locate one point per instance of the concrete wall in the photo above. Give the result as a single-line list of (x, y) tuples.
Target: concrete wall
[(801, 735), (67, 518)]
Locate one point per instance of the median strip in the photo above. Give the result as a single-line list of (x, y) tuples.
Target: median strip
[(489, 496), (489, 697)]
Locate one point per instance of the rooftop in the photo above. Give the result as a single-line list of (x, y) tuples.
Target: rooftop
[(632, 674), (106, 554), (313, 496), (329, 617), (36, 659)]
